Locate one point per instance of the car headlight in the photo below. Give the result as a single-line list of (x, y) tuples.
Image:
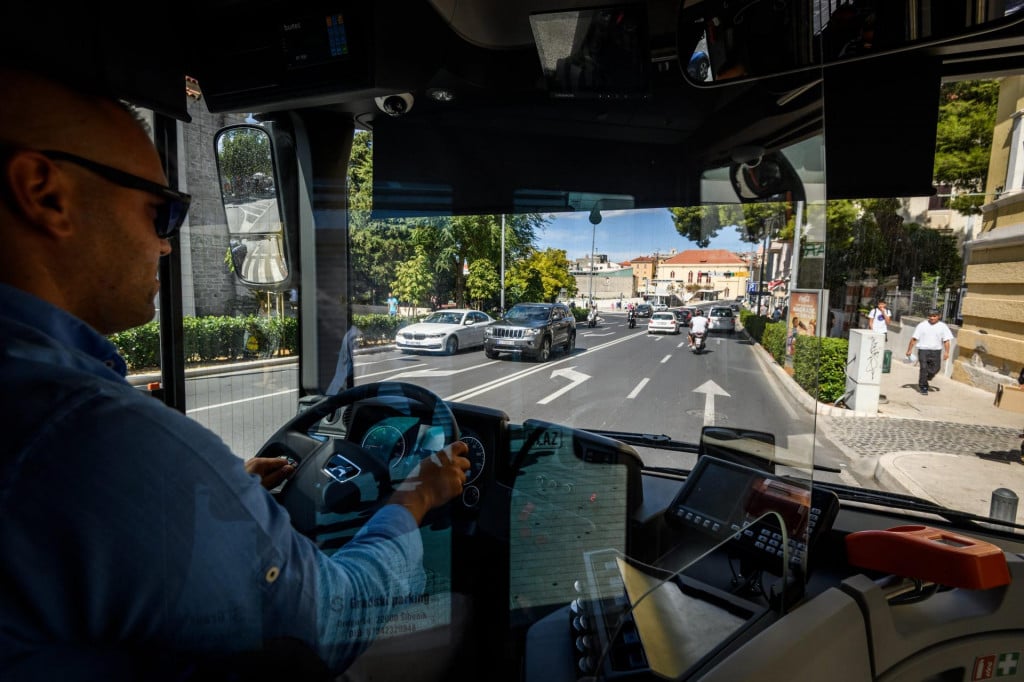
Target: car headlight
[(435, 335), (488, 331), (529, 333)]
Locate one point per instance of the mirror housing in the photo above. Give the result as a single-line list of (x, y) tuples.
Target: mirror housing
[(249, 186), (765, 177)]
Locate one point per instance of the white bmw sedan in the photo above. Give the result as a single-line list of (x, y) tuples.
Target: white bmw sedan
[(445, 330)]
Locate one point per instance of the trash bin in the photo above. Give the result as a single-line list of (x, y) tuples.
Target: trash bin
[(887, 362)]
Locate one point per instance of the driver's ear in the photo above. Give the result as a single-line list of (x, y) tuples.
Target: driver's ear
[(40, 195)]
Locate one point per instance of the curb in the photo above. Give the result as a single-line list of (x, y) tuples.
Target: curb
[(809, 404), (888, 474)]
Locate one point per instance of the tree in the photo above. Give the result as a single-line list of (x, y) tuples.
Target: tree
[(412, 282), (245, 163), (449, 244), (483, 284), (376, 246), (539, 277), (460, 240), (701, 224), (967, 115)]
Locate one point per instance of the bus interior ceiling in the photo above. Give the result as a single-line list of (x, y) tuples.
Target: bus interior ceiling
[(467, 75)]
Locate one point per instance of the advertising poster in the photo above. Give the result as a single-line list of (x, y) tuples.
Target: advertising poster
[(804, 309)]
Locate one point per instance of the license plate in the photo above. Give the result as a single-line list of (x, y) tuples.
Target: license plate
[(506, 342)]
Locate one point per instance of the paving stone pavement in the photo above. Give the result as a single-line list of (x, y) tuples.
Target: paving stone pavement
[(951, 446), (893, 434)]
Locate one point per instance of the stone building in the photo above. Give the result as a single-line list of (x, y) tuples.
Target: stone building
[(991, 340)]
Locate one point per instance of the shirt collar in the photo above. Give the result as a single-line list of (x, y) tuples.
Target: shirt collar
[(57, 327)]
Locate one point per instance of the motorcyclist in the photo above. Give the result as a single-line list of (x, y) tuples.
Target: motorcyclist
[(592, 315), (698, 323)]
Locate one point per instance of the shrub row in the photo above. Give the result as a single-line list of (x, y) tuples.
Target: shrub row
[(226, 339), (212, 339), (819, 364)]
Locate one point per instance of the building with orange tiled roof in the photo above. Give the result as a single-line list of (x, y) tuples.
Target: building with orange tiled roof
[(720, 273)]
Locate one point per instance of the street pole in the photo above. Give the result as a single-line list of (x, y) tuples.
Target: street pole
[(764, 258), (595, 218), (502, 305)]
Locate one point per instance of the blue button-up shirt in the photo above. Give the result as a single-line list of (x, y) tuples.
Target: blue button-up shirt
[(125, 525)]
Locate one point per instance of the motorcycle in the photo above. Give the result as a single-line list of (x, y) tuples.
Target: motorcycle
[(592, 318), (698, 342), (631, 317)]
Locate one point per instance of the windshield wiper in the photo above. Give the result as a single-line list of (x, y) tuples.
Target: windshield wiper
[(647, 440), (663, 442), (958, 519)]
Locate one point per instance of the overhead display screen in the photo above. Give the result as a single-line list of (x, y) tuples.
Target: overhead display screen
[(312, 40)]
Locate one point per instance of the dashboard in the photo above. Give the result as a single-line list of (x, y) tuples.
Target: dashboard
[(583, 564)]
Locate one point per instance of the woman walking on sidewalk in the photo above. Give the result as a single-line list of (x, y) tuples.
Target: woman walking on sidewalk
[(932, 338)]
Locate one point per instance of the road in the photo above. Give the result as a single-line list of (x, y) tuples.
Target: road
[(617, 379)]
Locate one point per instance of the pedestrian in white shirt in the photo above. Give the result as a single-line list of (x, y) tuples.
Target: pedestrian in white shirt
[(880, 318), (932, 339)]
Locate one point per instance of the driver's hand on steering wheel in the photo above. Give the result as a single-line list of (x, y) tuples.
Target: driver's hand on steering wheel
[(434, 481), (271, 470)]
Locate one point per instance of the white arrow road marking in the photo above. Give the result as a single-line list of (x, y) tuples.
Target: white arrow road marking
[(575, 379), (516, 376), (710, 389), (441, 372)]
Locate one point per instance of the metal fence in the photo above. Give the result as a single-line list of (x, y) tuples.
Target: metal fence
[(920, 298)]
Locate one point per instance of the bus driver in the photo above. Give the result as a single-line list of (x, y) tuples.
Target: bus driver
[(134, 540)]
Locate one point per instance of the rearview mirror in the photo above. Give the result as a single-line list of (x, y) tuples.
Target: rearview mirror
[(252, 207)]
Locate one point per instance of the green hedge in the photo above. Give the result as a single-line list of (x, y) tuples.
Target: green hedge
[(378, 328), (212, 339), (774, 340), (819, 366), (224, 339), (753, 324)]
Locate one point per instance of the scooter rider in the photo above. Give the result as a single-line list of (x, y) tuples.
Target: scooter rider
[(698, 323)]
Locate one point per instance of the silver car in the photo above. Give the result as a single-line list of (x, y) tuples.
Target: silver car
[(663, 322), (722, 319)]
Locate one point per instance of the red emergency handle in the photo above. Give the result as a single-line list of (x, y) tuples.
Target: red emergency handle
[(929, 554)]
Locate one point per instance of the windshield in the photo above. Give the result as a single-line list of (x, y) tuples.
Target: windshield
[(527, 314), (785, 367), (443, 318)]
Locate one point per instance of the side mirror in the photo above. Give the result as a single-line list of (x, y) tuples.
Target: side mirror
[(257, 252)]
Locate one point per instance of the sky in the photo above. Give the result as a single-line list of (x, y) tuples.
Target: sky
[(623, 235)]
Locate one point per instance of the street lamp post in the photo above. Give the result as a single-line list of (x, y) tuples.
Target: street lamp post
[(595, 218), (502, 305)]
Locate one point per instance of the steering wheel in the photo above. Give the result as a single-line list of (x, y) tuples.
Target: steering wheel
[(329, 474)]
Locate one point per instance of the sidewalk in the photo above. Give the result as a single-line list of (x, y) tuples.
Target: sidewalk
[(919, 443)]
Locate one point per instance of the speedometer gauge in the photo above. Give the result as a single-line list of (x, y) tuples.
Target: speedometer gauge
[(386, 443), (477, 457)]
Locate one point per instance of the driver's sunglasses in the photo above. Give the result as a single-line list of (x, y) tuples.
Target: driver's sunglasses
[(169, 215)]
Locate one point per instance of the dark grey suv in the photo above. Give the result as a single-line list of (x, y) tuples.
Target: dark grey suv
[(532, 330)]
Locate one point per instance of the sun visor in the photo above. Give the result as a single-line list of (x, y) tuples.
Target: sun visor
[(880, 134), (96, 46), (430, 169)]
